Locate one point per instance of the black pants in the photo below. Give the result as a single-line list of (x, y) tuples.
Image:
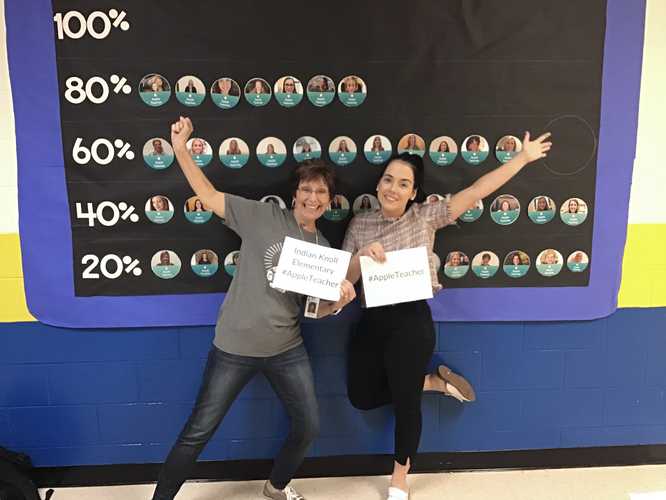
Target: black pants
[(388, 356)]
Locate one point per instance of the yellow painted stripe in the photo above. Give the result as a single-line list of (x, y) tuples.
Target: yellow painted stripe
[(644, 267), (12, 306)]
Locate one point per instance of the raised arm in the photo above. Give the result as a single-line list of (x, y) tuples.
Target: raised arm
[(209, 196), (465, 199)]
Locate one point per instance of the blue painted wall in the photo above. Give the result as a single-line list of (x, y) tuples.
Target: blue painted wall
[(74, 397)]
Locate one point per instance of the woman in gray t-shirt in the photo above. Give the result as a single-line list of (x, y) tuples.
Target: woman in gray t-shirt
[(258, 329)]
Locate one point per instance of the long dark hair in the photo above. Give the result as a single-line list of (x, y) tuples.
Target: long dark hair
[(415, 162)]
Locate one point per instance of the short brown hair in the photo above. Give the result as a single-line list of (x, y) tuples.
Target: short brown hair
[(311, 170)]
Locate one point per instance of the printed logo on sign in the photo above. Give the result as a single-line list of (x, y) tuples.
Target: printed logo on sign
[(271, 259)]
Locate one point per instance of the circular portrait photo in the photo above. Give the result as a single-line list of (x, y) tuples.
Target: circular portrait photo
[(306, 148), (365, 203), (165, 264), (377, 149), (288, 91), (342, 150), (541, 209), (338, 209), (578, 261), (200, 151), (158, 153), (549, 262), (321, 90), (196, 212), (159, 209), (234, 152), (204, 263), (456, 265), (257, 92), (443, 151), (231, 262), (473, 213), (413, 144), (434, 198), (190, 91), (507, 148), (516, 264), (275, 199), (154, 90), (485, 264), (505, 209), (475, 149), (573, 211), (271, 152), (352, 91), (225, 93)]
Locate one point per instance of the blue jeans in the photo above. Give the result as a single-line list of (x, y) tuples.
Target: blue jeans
[(225, 376)]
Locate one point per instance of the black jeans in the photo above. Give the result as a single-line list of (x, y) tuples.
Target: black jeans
[(225, 376), (388, 356)]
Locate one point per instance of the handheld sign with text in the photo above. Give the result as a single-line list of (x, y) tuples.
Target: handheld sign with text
[(311, 269), (404, 277)]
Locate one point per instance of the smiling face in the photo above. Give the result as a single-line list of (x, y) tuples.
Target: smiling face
[(396, 188), (510, 144), (516, 259), (350, 85), (156, 84), (455, 259), (443, 147), (311, 200), (159, 203), (157, 147), (542, 204), (224, 85), (289, 86), (504, 206), (197, 146), (573, 206)]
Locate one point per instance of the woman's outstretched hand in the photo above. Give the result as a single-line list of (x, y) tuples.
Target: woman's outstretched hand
[(536, 149)]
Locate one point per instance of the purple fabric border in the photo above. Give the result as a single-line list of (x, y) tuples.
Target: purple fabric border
[(46, 236)]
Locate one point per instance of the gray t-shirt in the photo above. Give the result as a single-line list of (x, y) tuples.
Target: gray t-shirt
[(256, 319)]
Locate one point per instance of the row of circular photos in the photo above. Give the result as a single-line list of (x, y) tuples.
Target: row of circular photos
[(516, 263), (155, 90), (205, 263), (271, 152), (504, 210)]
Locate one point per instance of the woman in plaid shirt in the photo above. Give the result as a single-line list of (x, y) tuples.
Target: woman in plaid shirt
[(392, 346)]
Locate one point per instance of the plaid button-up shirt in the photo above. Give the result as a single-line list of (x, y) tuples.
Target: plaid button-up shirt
[(416, 228)]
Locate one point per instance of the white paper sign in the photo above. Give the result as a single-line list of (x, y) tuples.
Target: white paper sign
[(404, 277), (311, 269)]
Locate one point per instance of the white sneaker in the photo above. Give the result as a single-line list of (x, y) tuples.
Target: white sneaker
[(397, 494), (288, 493)]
